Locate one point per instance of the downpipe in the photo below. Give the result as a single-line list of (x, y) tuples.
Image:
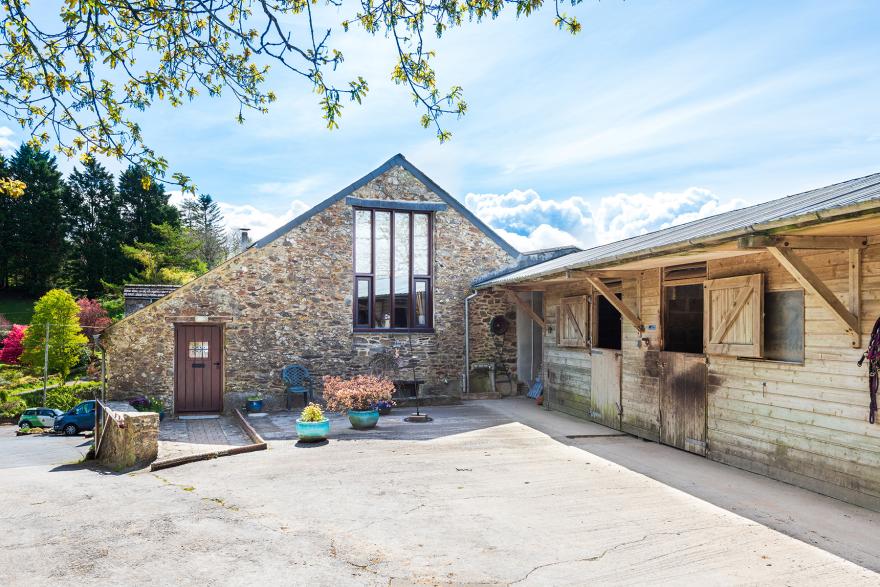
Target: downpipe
[(467, 343)]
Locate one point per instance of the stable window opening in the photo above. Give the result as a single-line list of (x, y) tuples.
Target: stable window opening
[(609, 325), (784, 326), (683, 318)]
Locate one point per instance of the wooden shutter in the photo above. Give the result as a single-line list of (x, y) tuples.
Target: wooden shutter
[(733, 316), (572, 322)]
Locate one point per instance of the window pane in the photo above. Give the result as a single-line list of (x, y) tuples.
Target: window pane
[(401, 270), (198, 350), (363, 303), (421, 303), (382, 282), (784, 325), (420, 244), (363, 241)]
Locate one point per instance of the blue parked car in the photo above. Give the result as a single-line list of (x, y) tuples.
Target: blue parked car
[(77, 419)]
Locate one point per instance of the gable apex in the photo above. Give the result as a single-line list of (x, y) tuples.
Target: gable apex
[(401, 161)]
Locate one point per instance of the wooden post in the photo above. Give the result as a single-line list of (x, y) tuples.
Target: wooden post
[(45, 363), (855, 282)]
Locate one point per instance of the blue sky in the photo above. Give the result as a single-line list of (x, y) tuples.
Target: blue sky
[(658, 112)]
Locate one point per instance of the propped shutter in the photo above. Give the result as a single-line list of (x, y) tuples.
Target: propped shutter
[(573, 322), (734, 316)]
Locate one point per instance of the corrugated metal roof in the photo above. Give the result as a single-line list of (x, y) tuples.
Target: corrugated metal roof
[(749, 219)]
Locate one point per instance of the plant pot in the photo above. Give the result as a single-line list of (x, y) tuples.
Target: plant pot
[(363, 419), (384, 411), (254, 405), (312, 431)]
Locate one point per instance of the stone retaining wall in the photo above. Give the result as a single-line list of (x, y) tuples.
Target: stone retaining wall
[(130, 438)]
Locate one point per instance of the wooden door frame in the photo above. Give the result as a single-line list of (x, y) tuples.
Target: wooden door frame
[(222, 327)]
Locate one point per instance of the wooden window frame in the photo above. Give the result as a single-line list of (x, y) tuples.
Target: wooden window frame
[(564, 305), (413, 277)]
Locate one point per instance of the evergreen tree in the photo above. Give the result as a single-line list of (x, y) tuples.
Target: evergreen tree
[(35, 221), (7, 227), (203, 218), (96, 229), (145, 205), (172, 258)]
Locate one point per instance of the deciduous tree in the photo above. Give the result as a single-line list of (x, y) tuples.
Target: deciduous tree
[(58, 309), (76, 78)]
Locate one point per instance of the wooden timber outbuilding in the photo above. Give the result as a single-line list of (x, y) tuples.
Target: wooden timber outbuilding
[(735, 337)]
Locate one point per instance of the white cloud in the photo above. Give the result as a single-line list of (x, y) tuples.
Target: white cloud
[(260, 222), (529, 222), (237, 216), (7, 146)]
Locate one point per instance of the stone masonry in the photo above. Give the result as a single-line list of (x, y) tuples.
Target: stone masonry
[(291, 302)]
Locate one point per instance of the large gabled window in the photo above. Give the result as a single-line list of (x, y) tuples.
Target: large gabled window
[(393, 278)]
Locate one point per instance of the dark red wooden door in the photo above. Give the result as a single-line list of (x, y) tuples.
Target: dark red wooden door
[(198, 377)]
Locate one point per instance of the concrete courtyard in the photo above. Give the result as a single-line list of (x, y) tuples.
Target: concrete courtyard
[(490, 493)]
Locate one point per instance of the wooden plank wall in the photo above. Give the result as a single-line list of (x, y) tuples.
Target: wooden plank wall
[(566, 369), (804, 424), (640, 390)]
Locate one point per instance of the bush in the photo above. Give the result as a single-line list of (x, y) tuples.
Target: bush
[(12, 407), (360, 393), (58, 309), (312, 413), (59, 398), (12, 347), (93, 318)]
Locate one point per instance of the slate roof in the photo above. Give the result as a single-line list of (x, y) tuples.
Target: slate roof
[(147, 291), (394, 161), (725, 226)]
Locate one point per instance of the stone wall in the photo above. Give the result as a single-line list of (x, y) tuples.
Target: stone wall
[(291, 302), (485, 346), (130, 439)]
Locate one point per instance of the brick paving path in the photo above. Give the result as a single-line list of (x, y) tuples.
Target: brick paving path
[(179, 438)]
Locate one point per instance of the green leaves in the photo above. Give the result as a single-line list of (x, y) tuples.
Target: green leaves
[(77, 84)]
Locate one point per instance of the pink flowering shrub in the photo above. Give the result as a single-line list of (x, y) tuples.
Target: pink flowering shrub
[(12, 348), (362, 392)]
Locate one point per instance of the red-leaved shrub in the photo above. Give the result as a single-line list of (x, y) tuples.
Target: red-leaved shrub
[(12, 348), (363, 392), (92, 316)]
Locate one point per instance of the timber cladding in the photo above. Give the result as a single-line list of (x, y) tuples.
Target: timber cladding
[(801, 421)]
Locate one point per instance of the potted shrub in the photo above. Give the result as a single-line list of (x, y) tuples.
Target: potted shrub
[(358, 397), (312, 425), (255, 403), (384, 406)]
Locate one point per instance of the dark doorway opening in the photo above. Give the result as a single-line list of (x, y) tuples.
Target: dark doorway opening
[(609, 328), (683, 318)]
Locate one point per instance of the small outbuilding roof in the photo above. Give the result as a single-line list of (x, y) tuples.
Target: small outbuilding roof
[(147, 291), (862, 193)]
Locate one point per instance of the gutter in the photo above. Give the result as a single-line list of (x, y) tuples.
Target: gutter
[(801, 221), (467, 343)]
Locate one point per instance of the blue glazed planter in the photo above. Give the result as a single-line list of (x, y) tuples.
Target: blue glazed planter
[(313, 431), (363, 420), (254, 406)]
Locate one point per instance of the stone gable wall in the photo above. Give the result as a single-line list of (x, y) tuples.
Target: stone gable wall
[(291, 302)]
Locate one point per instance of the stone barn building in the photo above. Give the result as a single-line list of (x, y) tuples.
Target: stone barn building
[(385, 263)]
